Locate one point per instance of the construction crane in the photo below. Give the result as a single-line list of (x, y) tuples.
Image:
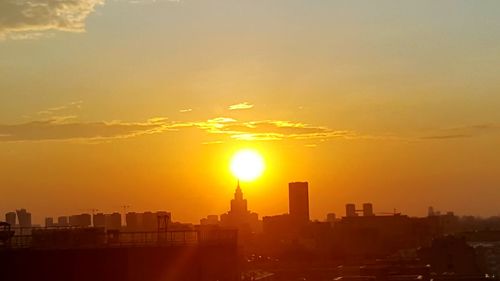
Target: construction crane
[(394, 213), (125, 209), (93, 211)]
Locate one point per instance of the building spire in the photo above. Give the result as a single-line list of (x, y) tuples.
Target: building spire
[(238, 195)]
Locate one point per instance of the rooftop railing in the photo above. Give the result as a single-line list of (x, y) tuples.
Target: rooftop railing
[(69, 238)]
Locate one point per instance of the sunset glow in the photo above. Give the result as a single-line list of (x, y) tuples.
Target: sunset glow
[(150, 103), (247, 165)]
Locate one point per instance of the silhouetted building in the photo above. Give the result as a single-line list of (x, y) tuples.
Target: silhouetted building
[(298, 201), (448, 223), (210, 220), (279, 227), (368, 210), (99, 220), (147, 221), (240, 217), (83, 220), (10, 218), (49, 222), (451, 255), (62, 221), (238, 204), (83, 254), (488, 255), (331, 217), (113, 221), (430, 211), (132, 221), (163, 221), (377, 236), (350, 210), (285, 228), (24, 218)]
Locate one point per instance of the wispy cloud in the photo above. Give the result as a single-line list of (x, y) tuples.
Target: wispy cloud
[(186, 110), (67, 128), (56, 109), (29, 19), (460, 132), (240, 106), (446, 137), (60, 123), (266, 130), (64, 130), (34, 19), (150, 1)]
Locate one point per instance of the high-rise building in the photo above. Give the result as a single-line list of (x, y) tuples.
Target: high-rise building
[(24, 218), (83, 220), (99, 220), (10, 218), (49, 222), (331, 217), (238, 204), (132, 221), (430, 212), (368, 210), (74, 220), (298, 197), (149, 221), (62, 221), (114, 221), (350, 210), (239, 216)]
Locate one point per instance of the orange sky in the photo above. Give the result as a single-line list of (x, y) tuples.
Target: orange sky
[(143, 103)]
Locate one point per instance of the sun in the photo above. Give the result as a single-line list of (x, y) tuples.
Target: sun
[(247, 165)]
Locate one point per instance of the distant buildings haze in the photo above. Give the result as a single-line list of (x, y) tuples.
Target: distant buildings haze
[(10, 218), (24, 218)]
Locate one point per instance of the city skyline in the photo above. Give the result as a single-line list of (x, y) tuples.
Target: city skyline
[(144, 103), (338, 208), (238, 216), (244, 140)]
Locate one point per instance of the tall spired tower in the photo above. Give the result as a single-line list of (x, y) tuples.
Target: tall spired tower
[(238, 204), (239, 216)]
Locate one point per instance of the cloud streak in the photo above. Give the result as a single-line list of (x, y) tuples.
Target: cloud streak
[(34, 19), (55, 129), (464, 132), (221, 129), (240, 106), (56, 109), (29, 19), (65, 128)]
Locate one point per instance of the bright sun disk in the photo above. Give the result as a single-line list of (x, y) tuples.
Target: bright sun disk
[(247, 165)]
